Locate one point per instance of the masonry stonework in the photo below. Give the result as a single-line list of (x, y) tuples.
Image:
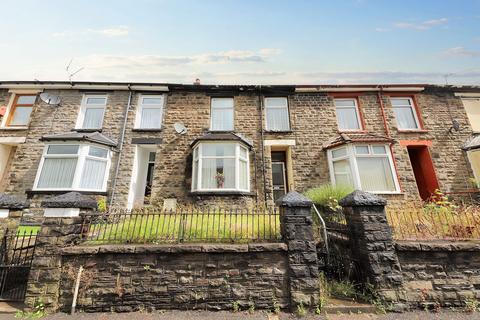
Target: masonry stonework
[(312, 119)]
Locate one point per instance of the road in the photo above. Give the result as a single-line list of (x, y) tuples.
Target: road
[(204, 315)]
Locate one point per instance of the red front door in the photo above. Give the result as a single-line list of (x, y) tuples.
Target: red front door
[(422, 166)]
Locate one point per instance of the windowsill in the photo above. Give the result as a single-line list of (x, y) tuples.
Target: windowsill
[(33, 192), (87, 130), (146, 130), (221, 131), (352, 131), (389, 193), (14, 128), (222, 193), (279, 131), (412, 131)]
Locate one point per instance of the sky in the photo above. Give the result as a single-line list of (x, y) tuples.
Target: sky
[(242, 42)]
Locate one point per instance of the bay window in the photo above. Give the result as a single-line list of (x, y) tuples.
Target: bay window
[(221, 114), (405, 113), (73, 167), (92, 111), (364, 167), (276, 114), (220, 166), (150, 112), (348, 117)]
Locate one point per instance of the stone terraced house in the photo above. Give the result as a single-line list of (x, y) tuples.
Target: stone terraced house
[(235, 146)]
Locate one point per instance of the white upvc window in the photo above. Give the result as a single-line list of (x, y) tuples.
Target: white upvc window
[(348, 115), (405, 113), (91, 112), (220, 166), (276, 114), (69, 167), (150, 112), (222, 114), (364, 167)]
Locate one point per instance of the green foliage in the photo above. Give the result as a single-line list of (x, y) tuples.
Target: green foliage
[(328, 195), (236, 306), (475, 183), (472, 305), (275, 305), (102, 204), (21, 230), (251, 307), (37, 312), (301, 311), (146, 267)]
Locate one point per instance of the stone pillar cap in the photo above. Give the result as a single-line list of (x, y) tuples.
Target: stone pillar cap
[(70, 200), (360, 198), (294, 199), (11, 202)]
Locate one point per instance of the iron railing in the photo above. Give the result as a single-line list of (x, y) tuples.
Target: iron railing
[(151, 225), (435, 223)]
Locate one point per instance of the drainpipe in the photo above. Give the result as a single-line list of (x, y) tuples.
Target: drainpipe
[(387, 132), (122, 137), (262, 138)]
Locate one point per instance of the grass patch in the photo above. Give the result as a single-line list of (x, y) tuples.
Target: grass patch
[(27, 230), (328, 195), (171, 227)]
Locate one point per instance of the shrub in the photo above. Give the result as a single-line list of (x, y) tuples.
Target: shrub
[(328, 195)]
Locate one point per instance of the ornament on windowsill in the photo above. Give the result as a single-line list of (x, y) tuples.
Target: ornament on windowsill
[(220, 179)]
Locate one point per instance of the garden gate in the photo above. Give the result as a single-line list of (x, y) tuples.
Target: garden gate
[(16, 255)]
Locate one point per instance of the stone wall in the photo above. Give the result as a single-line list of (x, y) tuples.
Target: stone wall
[(313, 122), (145, 277), (444, 273)]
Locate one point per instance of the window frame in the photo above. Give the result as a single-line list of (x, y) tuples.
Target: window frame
[(198, 156), (6, 123), (81, 156), (415, 111), (211, 113), (141, 106), (83, 108), (266, 107), (351, 156), (358, 113)]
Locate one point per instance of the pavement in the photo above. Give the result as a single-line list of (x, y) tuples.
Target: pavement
[(225, 315)]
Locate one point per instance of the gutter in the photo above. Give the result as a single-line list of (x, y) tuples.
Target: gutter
[(262, 138), (120, 148), (126, 87)]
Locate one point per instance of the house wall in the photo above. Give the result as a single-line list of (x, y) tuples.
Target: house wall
[(313, 122)]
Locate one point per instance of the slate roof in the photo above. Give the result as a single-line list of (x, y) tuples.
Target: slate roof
[(70, 200), (11, 202), (472, 143), (344, 138), (222, 136), (95, 137)]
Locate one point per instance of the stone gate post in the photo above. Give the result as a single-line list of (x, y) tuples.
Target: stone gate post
[(61, 227), (297, 231), (372, 243)]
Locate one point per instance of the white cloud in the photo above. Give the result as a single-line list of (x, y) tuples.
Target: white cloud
[(147, 62), (382, 29), (461, 51), (118, 31), (424, 25)]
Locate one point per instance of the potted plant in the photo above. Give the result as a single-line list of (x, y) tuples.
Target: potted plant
[(220, 178)]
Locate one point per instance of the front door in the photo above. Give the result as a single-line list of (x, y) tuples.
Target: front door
[(279, 176), (423, 170)]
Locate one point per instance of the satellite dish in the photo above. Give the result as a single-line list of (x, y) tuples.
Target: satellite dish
[(179, 128), (50, 99)]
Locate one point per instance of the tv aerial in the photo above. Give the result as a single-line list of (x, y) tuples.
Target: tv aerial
[(180, 128), (50, 99)]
